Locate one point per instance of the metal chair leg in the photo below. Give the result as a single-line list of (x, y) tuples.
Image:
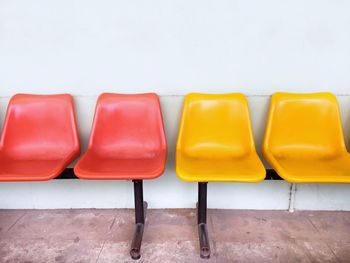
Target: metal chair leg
[(140, 214), (202, 221)]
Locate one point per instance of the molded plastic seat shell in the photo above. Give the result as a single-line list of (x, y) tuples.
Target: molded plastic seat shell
[(39, 139), (304, 139), (215, 141), (127, 140)]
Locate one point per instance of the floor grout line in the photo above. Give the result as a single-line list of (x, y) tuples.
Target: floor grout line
[(312, 223), (99, 254), (333, 253), (16, 221), (111, 226), (105, 240), (323, 241)]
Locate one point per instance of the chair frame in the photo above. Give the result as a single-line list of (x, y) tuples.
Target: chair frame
[(202, 220), (140, 216)]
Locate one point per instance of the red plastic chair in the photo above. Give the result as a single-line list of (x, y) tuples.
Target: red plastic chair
[(40, 137), (127, 142)]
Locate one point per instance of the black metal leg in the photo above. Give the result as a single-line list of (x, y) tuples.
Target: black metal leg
[(140, 214), (202, 220)]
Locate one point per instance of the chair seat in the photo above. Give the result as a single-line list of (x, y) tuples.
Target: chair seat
[(95, 167), (322, 170), (215, 141), (30, 170), (304, 139), (248, 169), (127, 140), (40, 137)]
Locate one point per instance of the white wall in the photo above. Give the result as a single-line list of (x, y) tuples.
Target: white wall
[(85, 47), (172, 48)]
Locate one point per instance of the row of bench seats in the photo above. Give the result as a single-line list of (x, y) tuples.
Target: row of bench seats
[(303, 142), (40, 138), (303, 139)]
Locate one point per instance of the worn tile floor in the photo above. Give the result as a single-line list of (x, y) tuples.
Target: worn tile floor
[(89, 235)]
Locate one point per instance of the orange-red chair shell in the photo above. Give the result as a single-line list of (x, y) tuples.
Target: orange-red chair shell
[(39, 138), (127, 140)]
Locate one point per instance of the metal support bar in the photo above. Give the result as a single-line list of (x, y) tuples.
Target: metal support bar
[(68, 173), (138, 199), (202, 221), (140, 214)]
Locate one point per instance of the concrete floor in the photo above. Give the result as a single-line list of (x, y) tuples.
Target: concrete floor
[(171, 236)]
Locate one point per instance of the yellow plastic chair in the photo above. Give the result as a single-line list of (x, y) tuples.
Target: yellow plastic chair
[(215, 144), (304, 140)]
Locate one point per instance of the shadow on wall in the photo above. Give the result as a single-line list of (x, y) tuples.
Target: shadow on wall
[(172, 110), (259, 108), (345, 115), (3, 105)]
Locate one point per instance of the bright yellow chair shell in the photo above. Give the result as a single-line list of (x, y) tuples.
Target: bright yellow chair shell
[(304, 139), (215, 142)]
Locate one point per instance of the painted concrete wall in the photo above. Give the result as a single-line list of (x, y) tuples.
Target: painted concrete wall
[(172, 48), (85, 47)]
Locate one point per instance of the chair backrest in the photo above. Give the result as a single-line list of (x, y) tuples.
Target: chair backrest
[(303, 125), (215, 126), (40, 127), (128, 126)]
